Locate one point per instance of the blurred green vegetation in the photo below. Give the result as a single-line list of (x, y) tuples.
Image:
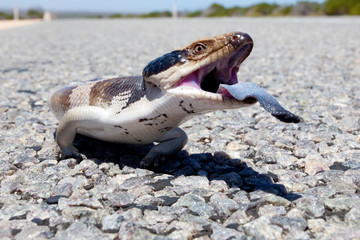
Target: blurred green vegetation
[(301, 8), (35, 13), (340, 7), (117, 15), (5, 16), (156, 14)]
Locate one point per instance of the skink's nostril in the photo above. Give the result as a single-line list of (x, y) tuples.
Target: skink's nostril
[(235, 37), (239, 39)]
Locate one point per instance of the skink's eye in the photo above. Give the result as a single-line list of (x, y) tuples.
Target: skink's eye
[(199, 48)]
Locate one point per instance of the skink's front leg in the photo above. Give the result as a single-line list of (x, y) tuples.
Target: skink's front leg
[(88, 117), (170, 143)]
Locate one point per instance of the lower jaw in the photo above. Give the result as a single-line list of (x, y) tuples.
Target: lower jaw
[(206, 101)]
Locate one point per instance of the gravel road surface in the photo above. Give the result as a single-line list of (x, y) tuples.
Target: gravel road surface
[(243, 174)]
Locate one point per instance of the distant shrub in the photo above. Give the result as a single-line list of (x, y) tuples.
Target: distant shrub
[(4, 15), (156, 14), (340, 7), (263, 9), (217, 10), (355, 10), (117, 15), (238, 11), (34, 13), (304, 8), (194, 14), (282, 11)]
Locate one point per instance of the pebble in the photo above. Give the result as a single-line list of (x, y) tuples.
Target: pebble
[(261, 228), (196, 204), (312, 206), (111, 223), (315, 164), (242, 175), (223, 205)]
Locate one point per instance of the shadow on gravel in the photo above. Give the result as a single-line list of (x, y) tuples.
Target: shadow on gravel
[(215, 167)]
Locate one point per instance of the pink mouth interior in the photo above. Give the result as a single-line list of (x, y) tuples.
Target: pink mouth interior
[(223, 71), (191, 80)]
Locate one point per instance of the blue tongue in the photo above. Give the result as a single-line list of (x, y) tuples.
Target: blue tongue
[(244, 90)]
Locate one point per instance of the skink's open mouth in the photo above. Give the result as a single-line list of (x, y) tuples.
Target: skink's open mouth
[(201, 69), (222, 71)]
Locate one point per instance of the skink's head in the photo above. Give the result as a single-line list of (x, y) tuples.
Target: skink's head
[(201, 66)]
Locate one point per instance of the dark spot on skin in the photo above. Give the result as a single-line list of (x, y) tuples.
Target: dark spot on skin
[(153, 119), (125, 130), (165, 129), (185, 109)]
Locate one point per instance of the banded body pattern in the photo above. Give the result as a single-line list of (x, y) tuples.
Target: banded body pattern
[(121, 91)]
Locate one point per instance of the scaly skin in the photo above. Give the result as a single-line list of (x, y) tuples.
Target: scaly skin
[(149, 108)]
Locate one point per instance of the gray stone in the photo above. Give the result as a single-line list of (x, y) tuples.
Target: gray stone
[(196, 204), (119, 199), (340, 185), (261, 228), (316, 226), (353, 216), (271, 211), (241, 197), (155, 217), (201, 220), (5, 231), (173, 210), (223, 205), (219, 186), (342, 204), (219, 232), (311, 206), (34, 232), (133, 214), (239, 217), (9, 186), (184, 184), (289, 224), (111, 223), (133, 230), (80, 230), (187, 229)]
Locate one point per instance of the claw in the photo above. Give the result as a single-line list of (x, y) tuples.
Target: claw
[(146, 162), (151, 158), (70, 152)]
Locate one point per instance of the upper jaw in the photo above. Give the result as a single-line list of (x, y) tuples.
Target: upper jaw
[(204, 82)]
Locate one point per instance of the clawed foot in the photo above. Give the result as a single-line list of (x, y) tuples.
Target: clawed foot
[(151, 158), (70, 152)]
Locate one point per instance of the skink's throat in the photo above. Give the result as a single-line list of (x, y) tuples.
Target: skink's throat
[(198, 70)]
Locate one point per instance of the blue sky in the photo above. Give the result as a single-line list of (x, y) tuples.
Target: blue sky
[(129, 6)]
